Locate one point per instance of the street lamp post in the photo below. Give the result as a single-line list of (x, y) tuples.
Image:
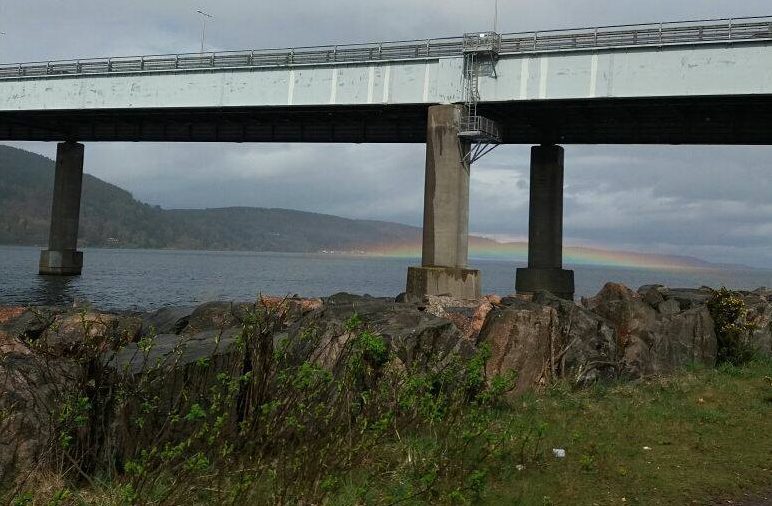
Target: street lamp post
[(204, 17)]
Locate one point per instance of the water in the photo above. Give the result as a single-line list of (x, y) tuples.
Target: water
[(145, 280)]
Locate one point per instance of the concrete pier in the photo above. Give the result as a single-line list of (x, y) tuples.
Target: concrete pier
[(62, 257), (545, 227), (443, 268)]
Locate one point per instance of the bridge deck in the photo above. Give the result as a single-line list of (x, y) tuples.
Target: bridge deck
[(705, 82)]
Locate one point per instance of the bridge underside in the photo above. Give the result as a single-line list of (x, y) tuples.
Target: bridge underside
[(741, 120)]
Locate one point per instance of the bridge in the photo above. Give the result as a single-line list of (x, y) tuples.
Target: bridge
[(698, 82)]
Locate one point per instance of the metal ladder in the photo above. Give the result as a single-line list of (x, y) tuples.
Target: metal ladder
[(480, 51), (472, 77)]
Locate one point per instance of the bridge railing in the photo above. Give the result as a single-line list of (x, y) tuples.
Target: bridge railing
[(723, 30), (658, 34)]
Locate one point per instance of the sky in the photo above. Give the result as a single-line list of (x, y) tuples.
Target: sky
[(714, 203)]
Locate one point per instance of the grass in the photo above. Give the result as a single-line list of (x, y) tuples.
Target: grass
[(687, 439), (681, 440)]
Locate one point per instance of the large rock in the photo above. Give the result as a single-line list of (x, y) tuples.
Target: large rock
[(215, 316), (587, 350), (172, 372), (656, 342), (467, 314), (653, 295), (415, 338), (32, 388), (167, 320), (759, 315), (549, 338), (177, 370), (175, 353), (520, 336), (74, 333), (27, 324), (690, 298), (671, 301), (225, 315), (200, 350)]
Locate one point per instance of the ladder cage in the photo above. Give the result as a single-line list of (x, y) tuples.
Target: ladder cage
[(481, 51)]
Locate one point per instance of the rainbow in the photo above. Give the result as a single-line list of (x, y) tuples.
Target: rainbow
[(480, 248)]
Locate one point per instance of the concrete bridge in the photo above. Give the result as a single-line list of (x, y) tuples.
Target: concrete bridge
[(703, 82)]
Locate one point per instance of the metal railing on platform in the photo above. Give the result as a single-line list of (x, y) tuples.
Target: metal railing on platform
[(482, 134), (479, 129), (657, 34)]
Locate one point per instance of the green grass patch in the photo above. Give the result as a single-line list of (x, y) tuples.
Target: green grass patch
[(680, 440)]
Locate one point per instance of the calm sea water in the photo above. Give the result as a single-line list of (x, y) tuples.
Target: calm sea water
[(145, 280)]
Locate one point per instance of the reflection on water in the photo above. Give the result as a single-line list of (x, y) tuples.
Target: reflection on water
[(54, 290), (143, 280)]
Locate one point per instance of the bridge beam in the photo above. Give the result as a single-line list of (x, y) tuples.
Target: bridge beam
[(62, 257), (545, 227), (443, 268)]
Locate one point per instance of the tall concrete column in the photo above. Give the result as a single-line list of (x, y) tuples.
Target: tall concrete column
[(443, 268), (62, 257), (545, 227)]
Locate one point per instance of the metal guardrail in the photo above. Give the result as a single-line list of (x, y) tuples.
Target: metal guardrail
[(479, 129), (482, 42), (658, 34)]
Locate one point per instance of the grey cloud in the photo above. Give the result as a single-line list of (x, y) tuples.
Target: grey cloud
[(384, 181), (712, 202), (705, 172)]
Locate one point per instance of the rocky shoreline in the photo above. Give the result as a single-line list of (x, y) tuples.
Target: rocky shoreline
[(619, 334)]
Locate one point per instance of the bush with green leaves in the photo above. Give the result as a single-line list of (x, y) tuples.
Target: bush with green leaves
[(732, 332)]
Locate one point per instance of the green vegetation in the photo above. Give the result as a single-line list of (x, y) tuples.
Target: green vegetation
[(729, 313), (370, 429), (111, 217), (697, 436)]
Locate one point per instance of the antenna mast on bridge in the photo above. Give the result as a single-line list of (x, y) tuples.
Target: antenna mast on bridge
[(496, 16)]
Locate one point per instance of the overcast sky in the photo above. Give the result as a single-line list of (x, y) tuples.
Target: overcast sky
[(714, 203)]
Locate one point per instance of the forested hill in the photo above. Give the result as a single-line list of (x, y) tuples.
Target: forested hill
[(111, 217)]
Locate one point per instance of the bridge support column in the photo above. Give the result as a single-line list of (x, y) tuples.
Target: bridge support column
[(443, 268), (545, 227), (62, 257)]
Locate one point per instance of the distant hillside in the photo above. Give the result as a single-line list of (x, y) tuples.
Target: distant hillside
[(111, 217)]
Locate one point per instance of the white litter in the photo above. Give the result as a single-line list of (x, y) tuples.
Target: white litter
[(559, 453)]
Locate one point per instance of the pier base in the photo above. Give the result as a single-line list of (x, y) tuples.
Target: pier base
[(460, 283), (61, 263), (559, 282)]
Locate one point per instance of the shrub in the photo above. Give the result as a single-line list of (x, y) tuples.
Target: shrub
[(280, 429), (728, 312)]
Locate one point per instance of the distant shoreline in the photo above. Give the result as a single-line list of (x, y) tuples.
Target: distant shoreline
[(707, 267)]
